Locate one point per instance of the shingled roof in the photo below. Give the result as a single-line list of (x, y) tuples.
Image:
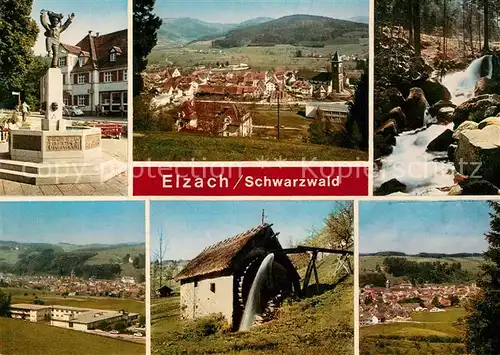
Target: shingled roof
[(218, 257)]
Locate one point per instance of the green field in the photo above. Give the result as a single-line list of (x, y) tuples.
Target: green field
[(320, 325), (162, 146), (258, 58), (472, 264), (25, 338), (50, 298), (428, 333), (115, 255)]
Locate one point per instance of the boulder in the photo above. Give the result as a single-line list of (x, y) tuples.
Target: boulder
[(486, 85), (490, 121), (451, 152), (392, 97), (491, 111), (389, 127), (475, 109), (464, 126), (478, 154), (441, 142), (415, 108), (478, 187), (397, 115), (434, 91), (383, 145), (390, 187), (443, 111)]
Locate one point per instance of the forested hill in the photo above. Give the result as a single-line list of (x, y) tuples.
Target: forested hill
[(304, 30)]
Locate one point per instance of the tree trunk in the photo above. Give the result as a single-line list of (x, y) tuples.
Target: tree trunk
[(410, 20), (444, 29), (416, 27), (486, 48)]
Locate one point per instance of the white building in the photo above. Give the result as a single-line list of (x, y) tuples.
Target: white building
[(336, 112), (95, 73), (218, 280), (76, 318)]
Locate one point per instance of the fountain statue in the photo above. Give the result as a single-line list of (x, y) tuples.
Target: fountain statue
[(53, 30)]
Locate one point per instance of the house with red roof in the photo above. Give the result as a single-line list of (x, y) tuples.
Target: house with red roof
[(95, 73), (214, 118)]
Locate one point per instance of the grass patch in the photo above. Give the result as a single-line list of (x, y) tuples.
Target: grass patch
[(318, 325), (21, 337), (436, 334), (161, 146)]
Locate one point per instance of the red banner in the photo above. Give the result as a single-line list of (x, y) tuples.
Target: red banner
[(250, 181)]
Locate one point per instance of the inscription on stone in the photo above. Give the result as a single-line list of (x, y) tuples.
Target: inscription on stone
[(92, 141), (27, 142), (64, 143)]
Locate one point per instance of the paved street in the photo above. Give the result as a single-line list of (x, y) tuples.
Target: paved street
[(117, 186)]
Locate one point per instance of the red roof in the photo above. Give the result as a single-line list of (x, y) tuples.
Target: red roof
[(209, 111), (211, 89), (99, 46)]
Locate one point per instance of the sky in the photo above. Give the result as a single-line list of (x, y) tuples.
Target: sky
[(102, 222), (102, 16), (189, 227), (414, 227), (235, 11)]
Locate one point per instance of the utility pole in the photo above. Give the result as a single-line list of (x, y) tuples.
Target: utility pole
[(278, 112), (263, 217)]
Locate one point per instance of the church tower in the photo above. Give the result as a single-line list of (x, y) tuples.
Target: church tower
[(337, 73)]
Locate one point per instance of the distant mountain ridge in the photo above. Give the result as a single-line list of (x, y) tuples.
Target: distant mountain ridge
[(180, 31), (306, 30)]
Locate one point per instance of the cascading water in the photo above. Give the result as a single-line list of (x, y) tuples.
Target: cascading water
[(253, 301), (410, 163)]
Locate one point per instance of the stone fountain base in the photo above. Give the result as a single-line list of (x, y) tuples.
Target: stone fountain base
[(68, 156)]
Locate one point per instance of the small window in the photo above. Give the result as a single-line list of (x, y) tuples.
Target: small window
[(108, 77), (81, 100), (112, 57), (81, 78), (62, 61), (80, 61), (196, 284), (212, 287), (125, 75)]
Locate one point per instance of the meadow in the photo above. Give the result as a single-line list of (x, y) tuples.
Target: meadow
[(25, 338), (21, 295), (162, 146), (427, 333), (258, 58), (321, 324)]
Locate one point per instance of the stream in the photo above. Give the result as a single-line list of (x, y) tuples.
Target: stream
[(421, 171)]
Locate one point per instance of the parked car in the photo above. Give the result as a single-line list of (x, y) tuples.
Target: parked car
[(72, 111), (138, 334), (114, 332)]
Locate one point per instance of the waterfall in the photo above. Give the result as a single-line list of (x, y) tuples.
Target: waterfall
[(254, 301), (461, 84)]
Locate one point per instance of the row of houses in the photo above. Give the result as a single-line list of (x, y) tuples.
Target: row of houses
[(378, 304), (286, 84)]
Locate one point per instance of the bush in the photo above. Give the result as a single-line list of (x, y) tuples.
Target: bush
[(148, 118), (120, 326), (143, 114)]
